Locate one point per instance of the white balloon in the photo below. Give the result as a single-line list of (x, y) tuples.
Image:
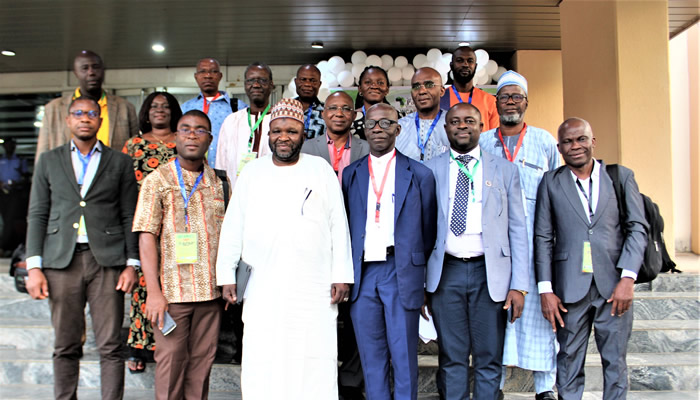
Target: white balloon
[(442, 66), (348, 67), (482, 57), (401, 61), (323, 93), (387, 61), (480, 72), (447, 57), (332, 81), (357, 70), (443, 75), (358, 57), (292, 87), (482, 80), (394, 74), (373, 60), (434, 55), (407, 72), (491, 67), (420, 61), (324, 81), (497, 75), (336, 64), (345, 78), (323, 66)]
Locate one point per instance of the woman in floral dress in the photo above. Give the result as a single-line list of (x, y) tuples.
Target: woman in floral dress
[(154, 146)]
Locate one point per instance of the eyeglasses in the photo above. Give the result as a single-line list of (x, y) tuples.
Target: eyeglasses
[(261, 81), (334, 109), (426, 84), (517, 98), (384, 123), (468, 121), (199, 132), (92, 114)]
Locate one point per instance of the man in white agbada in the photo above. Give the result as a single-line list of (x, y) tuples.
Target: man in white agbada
[(287, 220)]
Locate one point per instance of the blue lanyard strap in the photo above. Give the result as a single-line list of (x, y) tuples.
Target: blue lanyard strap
[(85, 160), (460, 97), (421, 146), (185, 197)]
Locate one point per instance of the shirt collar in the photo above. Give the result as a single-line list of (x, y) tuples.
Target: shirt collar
[(314, 103), (97, 146), (595, 174), (475, 153), (102, 101), (383, 159), (223, 94), (347, 142)]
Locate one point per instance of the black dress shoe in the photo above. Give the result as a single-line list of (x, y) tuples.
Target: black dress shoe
[(546, 396), (500, 395)]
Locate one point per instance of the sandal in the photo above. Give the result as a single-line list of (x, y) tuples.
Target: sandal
[(134, 363)]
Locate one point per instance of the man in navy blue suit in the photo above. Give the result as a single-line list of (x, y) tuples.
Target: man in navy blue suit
[(392, 211)]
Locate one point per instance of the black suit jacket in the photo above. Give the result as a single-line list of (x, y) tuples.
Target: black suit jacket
[(55, 208)]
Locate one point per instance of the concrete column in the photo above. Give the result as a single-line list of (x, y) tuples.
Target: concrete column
[(542, 69), (616, 76)]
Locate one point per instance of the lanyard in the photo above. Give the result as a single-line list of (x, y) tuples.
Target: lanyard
[(460, 97), (183, 191), (517, 146), (466, 172), (378, 193), (588, 198), (338, 155), (308, 119), (421, 146), (205, 105), (253, 128), (85, 160)]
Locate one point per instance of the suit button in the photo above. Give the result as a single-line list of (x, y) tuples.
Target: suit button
[(76, 225), (590, 231), (82, 204)]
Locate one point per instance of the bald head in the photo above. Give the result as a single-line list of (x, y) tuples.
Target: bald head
[(575, 123), (382, 107), (426, 91), (308, 82), (463, 65), (576, 144), (338, 114), (89, 70)]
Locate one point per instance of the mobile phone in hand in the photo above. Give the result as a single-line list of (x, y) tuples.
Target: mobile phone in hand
[(168, 324)]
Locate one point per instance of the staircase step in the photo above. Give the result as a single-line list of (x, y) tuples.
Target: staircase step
[(686, 282), (660, 336), (666, 305), (647, 371)]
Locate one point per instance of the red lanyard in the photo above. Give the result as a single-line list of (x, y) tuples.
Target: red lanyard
[(517, 146), (381, 188), (205, 106), (339, 156)]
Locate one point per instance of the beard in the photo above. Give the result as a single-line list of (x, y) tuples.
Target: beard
[(463, 79), (512, 119), (285, 156)]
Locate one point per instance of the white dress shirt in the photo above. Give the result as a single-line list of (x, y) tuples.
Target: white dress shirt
[(593, 188), (379, 236), (470, 243)]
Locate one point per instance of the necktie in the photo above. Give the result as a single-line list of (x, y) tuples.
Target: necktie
[(459, 210)]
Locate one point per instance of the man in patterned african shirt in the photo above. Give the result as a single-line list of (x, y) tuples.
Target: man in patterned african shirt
[(182, 202)]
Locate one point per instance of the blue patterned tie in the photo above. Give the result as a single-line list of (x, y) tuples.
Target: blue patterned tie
[(459, 210)]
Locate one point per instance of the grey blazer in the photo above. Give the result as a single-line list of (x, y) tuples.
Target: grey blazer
[(55, 207), (504, 228), (561, 227), (318, 146)]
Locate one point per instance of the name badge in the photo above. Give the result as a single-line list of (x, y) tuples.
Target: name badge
[(587, 266), (186, 248), (247, 157)]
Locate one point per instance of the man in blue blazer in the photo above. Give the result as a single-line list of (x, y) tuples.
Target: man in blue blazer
[(392, 210), (479, 268)]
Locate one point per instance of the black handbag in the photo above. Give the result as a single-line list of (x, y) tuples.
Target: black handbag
[(18, 268)]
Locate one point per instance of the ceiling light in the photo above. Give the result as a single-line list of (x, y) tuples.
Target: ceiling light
[(8, 53), (158, 48), (463, 44), (317, 45)]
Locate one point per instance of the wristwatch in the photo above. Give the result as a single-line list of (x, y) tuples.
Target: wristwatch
[(523, 292), (136, 268)]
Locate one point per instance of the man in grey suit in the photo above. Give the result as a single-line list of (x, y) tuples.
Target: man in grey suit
[(479, 268), (80, 247), (586, 261), (338, 115)]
